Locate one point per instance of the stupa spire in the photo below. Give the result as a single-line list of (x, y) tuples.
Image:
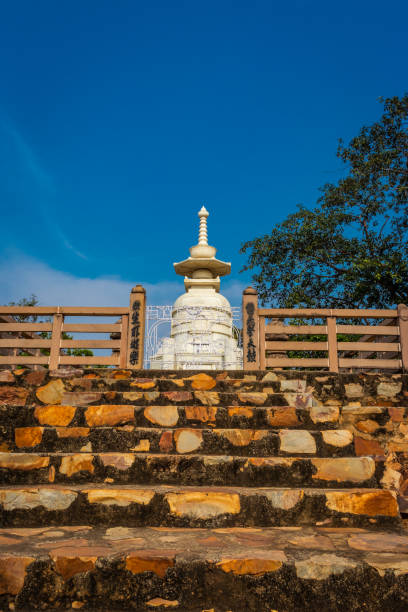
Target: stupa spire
[(202, 233), (202, 268)]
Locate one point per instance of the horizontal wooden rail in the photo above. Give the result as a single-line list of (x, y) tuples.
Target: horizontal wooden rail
[(90, 343), (89, 311), (375, 330), (25, 327), (296, 346), (297, 363), (369, 346), (24, 360), (86, 328), (293, 330), (378, 364), (96, 360), (25, 343), (303, 313)]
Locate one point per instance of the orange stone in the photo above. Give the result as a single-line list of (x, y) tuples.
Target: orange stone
[(367, 426), (254, 566), (203, 382), (71, 464), (143, 383), (240, 411), (372, 503), (241, 437), (119, 497), (367, 447), (69, 566), (204, 414), (72, 432), (188, 440), (166, 416), (142, 447), (204, 505), (156, 562), (178, 396), (347, 469), (109, 414), (6, 376), (27, 437), (54, 415), (208, 398), (396, 414), (12, 574), (179, 382), (256, 398), (36, 377), (121, 374), (166, 441), (120, 461), (23, 461), (13, 396), (282, 416), (52, 392), (158, 602)]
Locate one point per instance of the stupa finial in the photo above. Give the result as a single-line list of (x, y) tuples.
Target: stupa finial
[(202, 233), (201, 268)]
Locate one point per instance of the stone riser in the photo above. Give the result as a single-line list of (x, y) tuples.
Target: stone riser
[(176, 398), (180, 384), (168, 416), (202, 570), (133, 468), (241, 442), (200, 507)]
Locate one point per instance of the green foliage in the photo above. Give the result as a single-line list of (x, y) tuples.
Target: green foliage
[(351, 250), (30, 301)]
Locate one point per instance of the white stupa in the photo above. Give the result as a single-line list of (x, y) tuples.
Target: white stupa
[(201, 334)]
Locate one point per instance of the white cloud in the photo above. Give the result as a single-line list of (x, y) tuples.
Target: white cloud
[(20, 276)]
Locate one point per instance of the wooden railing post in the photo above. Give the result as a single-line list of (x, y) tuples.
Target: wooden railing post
[(332, 344), (57, 322), (136, 332), (124, 341), (403, 334), (250, 330)]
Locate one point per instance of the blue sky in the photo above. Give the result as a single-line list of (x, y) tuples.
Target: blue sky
[(119, 119)]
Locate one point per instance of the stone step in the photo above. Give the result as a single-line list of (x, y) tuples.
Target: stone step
[(127, 438), (190, 570), (134, 467), (181, 397), (188, 506), (200, 382), (225, 417)]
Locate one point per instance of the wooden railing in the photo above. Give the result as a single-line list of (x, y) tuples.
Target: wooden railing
[(266, 345), (44, 342)]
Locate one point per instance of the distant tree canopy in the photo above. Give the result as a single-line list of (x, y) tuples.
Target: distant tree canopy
[(352, 249)]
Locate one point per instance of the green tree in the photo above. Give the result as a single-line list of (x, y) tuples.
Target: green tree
[(351, 250)]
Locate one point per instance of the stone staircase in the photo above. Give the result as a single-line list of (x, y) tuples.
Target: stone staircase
[(187, 491)]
